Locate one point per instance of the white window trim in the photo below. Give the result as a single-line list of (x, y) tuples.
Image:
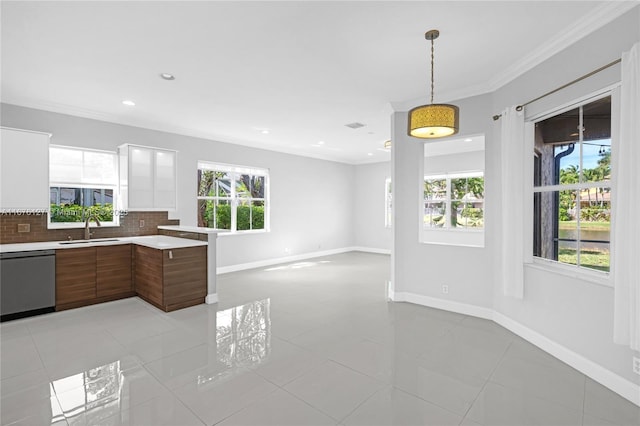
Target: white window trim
[(115, 187), (549, 265), (388, 206), (572, 271), (459, 237), (233, 200), (447, 201)]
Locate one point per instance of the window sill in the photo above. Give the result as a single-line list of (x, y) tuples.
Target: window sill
[(453, 237), (227, 233), (595, 277)]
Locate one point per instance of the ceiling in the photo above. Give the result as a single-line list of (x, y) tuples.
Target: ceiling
[(285, 76)]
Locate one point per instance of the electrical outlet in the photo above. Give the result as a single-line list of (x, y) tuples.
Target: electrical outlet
[(141, 223), (445, 289), (636, 365), (24, 227)]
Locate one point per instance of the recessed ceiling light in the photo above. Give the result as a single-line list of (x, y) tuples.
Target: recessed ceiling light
[(167, 76), (265, 132), (468, 140), (128, 103), (369, 154), (320, 142)]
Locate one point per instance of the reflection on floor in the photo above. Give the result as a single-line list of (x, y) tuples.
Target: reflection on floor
[(312, 342)]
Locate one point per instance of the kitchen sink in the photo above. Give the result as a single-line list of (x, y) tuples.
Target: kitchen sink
[(88, 241)]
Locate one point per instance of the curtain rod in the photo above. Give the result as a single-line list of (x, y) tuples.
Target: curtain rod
[(572, 82)]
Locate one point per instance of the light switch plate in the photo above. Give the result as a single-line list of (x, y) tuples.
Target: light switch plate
[(24, 227), (636, 365)]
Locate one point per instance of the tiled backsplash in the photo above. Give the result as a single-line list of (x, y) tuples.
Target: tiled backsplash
[(129, 227)]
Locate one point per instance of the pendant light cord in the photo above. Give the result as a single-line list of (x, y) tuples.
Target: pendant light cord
[(432, 50)]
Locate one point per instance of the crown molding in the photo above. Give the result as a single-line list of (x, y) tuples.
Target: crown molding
[(446, 96), (589, 23)]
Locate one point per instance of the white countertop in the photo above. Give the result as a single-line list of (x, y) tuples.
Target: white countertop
[(161, 242), (194, 229)]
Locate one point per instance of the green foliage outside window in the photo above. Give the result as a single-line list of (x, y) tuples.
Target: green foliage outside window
[(247, 217), (76, 213), (248, 191)]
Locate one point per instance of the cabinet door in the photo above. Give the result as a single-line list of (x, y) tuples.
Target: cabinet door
[(113, 270), (141, 177), (24, 170), (75, 275), (165, 180), (148, 274), (185, 276)]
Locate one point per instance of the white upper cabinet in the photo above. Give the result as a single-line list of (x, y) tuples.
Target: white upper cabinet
[(24, 170), (147, 178)]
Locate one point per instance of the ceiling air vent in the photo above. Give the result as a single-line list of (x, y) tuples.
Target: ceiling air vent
[(355, 125)]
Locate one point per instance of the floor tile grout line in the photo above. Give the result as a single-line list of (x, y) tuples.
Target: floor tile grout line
[(584, 397), (340, 421), (487, 380), (541, 397)]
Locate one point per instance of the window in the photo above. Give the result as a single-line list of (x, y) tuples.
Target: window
[(388, 199), (232, 197), (454, 201), (81, 182), (572, 186)]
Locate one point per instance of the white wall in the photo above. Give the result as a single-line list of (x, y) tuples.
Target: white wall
[(421, 269), (311, 200), (572, 317), (369, 207), (576, 313), (451, 163)]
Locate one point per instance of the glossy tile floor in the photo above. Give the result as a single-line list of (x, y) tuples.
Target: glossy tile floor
[(310, 343)]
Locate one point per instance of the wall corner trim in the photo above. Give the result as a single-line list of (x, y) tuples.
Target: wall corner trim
[(278, 260), (211, 299), (447, 305), (371, 250)]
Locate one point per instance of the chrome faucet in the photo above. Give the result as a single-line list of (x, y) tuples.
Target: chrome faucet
[(90, 217)]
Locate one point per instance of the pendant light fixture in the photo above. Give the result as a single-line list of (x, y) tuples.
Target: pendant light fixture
[(433, 120)]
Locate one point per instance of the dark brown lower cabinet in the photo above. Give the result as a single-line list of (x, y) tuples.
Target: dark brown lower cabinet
[(89, 275), (114, 275), (173, 278), (75, 276)]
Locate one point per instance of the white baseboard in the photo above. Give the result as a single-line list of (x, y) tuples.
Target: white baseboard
[(371, 250), (607, 378), (274, 261), (447, 305), (611, 380), (211, 299)]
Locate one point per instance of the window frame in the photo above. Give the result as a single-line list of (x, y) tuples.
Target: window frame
[(538, 262), (234, 200), (114, 187), (473, 237), (388, 203), (448, 177)]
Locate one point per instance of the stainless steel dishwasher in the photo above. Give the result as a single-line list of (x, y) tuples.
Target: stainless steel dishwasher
[(27, 283)]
